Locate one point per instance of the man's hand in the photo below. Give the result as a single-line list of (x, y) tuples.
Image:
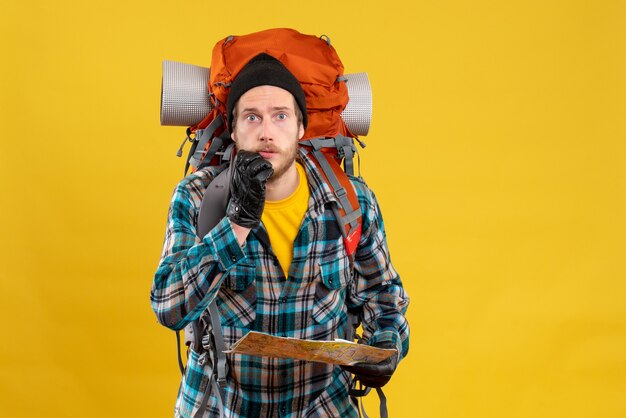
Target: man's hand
[(375, 375), (247, 189)]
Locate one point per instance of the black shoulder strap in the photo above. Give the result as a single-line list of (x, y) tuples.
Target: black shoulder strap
[(214, 203), (212, 210)]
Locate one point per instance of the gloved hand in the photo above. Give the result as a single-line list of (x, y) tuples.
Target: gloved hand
[(247, 189), (375, 375)]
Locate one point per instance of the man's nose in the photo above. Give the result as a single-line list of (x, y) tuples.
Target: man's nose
[(266, 133)]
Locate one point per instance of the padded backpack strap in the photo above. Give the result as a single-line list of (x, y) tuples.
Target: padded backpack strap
[(204, 335), (214, 203), (348, 212)]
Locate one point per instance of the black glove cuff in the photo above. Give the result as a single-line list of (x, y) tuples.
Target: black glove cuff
[(238, 215)]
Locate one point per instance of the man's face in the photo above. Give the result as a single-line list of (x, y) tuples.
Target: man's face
[(266, 122)]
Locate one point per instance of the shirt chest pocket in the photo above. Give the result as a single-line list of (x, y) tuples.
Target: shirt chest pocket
[(330, 290), (236, 300)]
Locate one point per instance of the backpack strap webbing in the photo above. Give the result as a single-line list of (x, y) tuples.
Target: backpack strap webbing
[(220, 347), (213, 348), (203, 136), (345, 149), (181, 366), (193, 339), (210, 385), (192, 150), (383, 403), (357, 396)]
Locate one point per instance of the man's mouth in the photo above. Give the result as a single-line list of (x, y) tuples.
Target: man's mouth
[(268, 154)]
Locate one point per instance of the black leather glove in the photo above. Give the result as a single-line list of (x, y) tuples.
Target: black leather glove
[(375, 375), (247, 189)]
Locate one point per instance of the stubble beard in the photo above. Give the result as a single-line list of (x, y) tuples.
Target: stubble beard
[(290, 158)]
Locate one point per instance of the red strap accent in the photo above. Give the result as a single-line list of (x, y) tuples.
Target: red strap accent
[(352, 240)]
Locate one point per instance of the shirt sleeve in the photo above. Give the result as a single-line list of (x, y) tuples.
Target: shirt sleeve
[(191, 269), (377, 287)]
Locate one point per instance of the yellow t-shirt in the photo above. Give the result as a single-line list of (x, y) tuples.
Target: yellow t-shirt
[(282, 220)]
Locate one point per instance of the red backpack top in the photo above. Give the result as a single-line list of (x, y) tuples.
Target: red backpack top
[(312, 60)]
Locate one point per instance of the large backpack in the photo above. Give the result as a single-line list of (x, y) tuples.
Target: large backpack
[(315, 63)]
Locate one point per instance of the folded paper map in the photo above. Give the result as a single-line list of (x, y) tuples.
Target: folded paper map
[(334, 352)]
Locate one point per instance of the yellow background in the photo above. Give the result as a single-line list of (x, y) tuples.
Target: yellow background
[(497, 151)]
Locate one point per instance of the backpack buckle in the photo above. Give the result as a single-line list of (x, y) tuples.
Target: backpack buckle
[(340, 193)]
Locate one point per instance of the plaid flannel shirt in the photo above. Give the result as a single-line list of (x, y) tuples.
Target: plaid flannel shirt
[(253, 294)]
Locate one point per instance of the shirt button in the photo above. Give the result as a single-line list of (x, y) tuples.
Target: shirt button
[(283, 410), (283, 299), (233, 258)]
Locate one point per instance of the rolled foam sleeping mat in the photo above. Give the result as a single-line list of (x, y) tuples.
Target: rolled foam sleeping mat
[(185, 99)]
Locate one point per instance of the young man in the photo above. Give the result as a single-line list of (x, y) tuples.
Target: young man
[(277, 264)]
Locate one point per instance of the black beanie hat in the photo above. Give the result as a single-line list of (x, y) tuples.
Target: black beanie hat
[(264, 70)]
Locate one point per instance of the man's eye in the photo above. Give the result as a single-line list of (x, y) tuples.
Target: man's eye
[(251, 118), (282, 116)]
